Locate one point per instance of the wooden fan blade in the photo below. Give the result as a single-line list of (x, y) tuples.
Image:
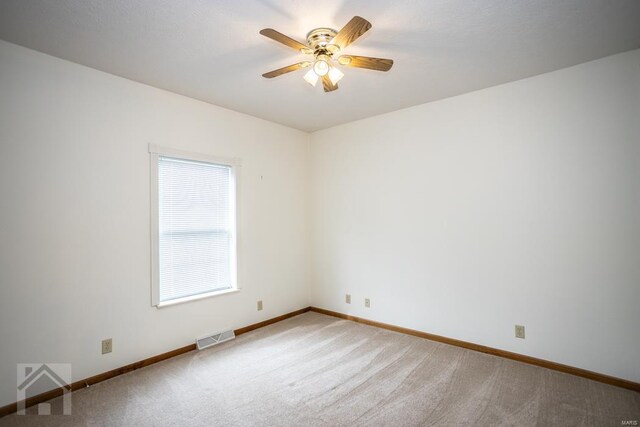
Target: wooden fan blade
[(328, 86), (377, 64), (285, 40), (350, 32), (285, 70)]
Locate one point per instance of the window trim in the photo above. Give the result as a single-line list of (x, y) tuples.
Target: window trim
[(234, 164)]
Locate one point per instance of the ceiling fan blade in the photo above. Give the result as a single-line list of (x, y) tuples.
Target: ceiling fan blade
[(328, 86), (350, 32), (378, 64), (285, 40), (285, 70)]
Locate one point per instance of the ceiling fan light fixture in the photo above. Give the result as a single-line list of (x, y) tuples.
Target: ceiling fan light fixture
[(325, 44), (321, 66), (311, 77), (335, 75)]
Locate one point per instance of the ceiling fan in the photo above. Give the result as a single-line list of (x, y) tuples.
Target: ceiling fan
[(325, 45)]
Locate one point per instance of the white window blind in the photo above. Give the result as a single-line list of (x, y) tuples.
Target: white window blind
[(196, 228)]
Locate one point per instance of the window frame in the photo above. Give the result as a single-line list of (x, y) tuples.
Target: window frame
[(234, 164)]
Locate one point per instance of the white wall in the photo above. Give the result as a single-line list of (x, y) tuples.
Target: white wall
[(74, 218), (515, 204)]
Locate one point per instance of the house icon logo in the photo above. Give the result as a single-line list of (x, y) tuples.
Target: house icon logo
[(38, 378)]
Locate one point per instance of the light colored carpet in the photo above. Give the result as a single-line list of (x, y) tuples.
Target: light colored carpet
[(318, 370)]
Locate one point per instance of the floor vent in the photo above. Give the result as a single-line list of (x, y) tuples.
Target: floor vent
[(214, 339)]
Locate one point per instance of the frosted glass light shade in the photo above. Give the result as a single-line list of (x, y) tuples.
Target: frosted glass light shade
[(321, 67), (311, 77), (335, 75)]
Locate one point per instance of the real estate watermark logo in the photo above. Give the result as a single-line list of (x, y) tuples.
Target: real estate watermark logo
[(629, 422), (37, 378)]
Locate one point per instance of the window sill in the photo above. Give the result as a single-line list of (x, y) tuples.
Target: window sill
[(197, 297)]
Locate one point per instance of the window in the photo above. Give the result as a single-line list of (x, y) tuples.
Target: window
[(193, 226)]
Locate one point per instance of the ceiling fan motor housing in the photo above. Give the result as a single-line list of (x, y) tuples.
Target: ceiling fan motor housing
[(319, 38)]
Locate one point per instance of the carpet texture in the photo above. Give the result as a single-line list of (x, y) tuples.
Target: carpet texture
[(316, 370)]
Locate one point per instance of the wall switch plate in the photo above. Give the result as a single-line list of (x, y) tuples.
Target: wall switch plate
[(107, 346), (367, 302), (348, 299), (519, 331), (259, 305)]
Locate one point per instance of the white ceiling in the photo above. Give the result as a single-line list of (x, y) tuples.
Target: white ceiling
[(211, 50)]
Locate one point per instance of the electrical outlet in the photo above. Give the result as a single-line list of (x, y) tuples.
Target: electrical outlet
[(519, 331), (259, 305), (107, 346), (348, 298), (367, 302)]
